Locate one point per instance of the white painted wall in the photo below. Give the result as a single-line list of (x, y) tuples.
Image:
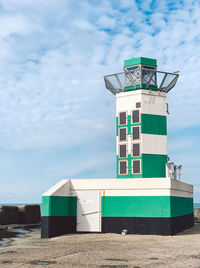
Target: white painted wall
[(134, 187), (123, 187), (152, 102), (154, 144), (62, 188)]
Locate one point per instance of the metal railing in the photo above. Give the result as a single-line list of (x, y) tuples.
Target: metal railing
[(140, 78)]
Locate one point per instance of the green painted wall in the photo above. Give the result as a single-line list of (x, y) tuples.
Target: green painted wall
[(146, 206), (153, 166), (153, 124), (59, 206), (181, 206), (129, 168), (140, 60), (150, 124), (127, 125), (122, 206)]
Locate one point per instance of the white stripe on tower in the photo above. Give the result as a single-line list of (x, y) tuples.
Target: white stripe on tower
[(152, 102), (153, 144)]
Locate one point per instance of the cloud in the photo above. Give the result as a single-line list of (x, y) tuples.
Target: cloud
[(53, 56)]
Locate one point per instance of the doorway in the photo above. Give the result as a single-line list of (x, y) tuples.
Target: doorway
[(88, 211)]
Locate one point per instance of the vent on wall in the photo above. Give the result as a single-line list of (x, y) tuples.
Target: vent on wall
[(138, 104)]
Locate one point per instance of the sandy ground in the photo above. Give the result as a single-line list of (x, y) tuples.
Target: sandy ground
[(104, 250)]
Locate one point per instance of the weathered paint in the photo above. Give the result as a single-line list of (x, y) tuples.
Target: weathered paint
[(152, 102)]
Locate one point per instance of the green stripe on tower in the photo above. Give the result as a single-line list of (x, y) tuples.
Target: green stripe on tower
[(153, 124), (117, 119), (150, 124), (59, 205), (146, 206), (153, 166)]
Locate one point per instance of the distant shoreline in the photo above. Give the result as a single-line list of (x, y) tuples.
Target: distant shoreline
[(22, 204), (196, 205)]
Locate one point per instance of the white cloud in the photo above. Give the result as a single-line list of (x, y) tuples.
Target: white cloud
[(106, 22), (54, 54)]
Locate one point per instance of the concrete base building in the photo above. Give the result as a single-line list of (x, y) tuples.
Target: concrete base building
[(146, 197), (144, 206)]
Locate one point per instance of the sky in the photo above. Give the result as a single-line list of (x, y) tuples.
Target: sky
[(57, 120)]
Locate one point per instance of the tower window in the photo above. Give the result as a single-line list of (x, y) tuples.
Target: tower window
[(123, 118), (135, 150), (123, 167), (135, 116), (135, 133), (123, 134), (136, 169), (122, 150)]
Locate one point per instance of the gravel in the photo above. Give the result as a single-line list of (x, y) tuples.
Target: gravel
[(104, 250)]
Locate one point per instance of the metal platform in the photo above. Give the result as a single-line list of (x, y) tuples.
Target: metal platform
[(140, 78)]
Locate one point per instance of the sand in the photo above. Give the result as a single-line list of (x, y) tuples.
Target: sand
[(104, 250)]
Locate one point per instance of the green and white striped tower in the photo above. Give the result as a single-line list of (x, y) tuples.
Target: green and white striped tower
[(146, 197), (141, 123)]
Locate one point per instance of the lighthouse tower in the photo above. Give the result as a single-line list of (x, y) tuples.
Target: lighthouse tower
[(146, 197), (141, 122), (141, 125)]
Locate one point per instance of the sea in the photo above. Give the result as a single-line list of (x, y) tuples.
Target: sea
[(19, 204), (196, 205)]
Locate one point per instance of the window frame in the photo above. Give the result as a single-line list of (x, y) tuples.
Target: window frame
[(121, 157), (138, 109), (132, 167), (119, 118), (126, 134), (119, 167), (139, 133), (132, 149)]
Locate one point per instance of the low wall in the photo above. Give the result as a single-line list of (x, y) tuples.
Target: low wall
[(26, 214), (197, 215), (9, 215)]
